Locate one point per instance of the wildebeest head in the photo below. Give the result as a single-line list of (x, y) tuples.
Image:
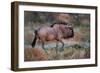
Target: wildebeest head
[(67, 30)]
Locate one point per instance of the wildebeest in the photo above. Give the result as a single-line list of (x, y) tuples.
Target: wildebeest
[(56, 31)]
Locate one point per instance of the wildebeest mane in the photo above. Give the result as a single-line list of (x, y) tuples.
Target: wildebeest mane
[(64, 23)]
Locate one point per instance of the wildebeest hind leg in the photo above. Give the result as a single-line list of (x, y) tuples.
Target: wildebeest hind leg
[(43, 46)]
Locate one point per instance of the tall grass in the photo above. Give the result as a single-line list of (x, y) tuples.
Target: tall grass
[(72, 52)]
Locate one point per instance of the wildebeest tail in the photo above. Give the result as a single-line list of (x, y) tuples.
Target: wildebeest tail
[(35, 38)]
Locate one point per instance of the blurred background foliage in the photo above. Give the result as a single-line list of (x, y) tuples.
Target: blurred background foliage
[(51, 17)]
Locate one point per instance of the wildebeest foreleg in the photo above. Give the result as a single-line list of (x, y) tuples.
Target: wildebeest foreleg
[(62, 45), (56, 47)]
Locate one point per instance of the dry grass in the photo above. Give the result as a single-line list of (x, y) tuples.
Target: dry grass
[(37, 54), (69, 53)]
